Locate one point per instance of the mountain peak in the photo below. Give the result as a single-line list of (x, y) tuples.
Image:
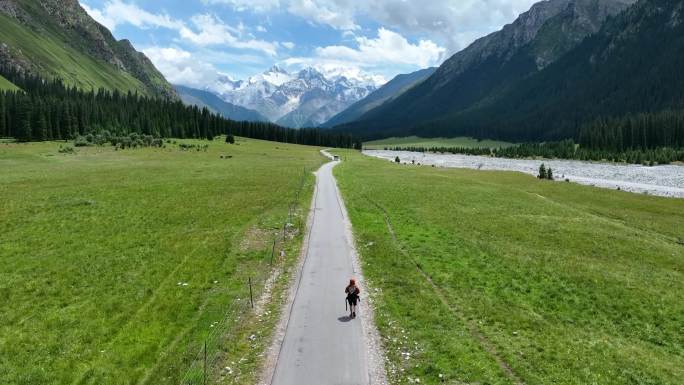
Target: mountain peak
[(309, 73), (277, 69), (305, 98)]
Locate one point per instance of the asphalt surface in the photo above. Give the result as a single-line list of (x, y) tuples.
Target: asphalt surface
[(322, 346)]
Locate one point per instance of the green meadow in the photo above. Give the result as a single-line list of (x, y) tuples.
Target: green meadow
[(488, 277), (116, 266), (414, 141)]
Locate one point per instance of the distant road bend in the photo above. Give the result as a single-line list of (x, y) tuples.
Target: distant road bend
[(321, 345)]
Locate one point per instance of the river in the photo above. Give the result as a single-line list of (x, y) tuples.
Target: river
[(665, 180)]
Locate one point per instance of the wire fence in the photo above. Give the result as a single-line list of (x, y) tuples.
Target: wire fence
[(208, 353)]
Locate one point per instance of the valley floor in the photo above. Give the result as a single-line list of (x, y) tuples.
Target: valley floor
[(117, 266), (497, 277)]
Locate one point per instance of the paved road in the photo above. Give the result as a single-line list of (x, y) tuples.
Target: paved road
[(322, 346)]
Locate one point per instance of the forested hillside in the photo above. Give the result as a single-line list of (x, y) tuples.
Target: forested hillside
[(47, 110), (492, 64), (58, 39), (632, 66), (393, 89), (620, 88)]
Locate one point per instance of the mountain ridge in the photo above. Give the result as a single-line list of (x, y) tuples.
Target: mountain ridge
[(54, 38), (200, 98), (306, 98), (493, 63), (390, 90)]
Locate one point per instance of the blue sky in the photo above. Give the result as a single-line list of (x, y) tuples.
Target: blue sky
[(194, 41)]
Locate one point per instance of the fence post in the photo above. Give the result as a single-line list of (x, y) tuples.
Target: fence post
[(205, 362), (273, 250), (251, 298)]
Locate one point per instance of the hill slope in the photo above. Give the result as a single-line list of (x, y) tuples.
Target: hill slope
[(195, 97), (59, 39), (632, 65), (495, 63), (6, 85), (393, 88)]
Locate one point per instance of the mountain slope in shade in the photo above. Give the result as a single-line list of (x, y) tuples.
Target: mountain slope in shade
[(199, 98), (392, 89), (494, 63), (303, 99), (632, 65), (57, 38)]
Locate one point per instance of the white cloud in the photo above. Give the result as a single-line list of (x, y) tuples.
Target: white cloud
[(388, 53), (453, 22), (212, 31), (208, 29), (337, 14), (116, 12), (244, 5), (388, 47), (180, 67), (288, 44)]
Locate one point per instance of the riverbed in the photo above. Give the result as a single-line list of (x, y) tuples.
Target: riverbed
[(667, 180)]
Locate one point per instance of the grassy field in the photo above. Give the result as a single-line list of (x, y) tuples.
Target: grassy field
[(414, 141), (57, 59), (115, 266), (500, 278), (7, 85)]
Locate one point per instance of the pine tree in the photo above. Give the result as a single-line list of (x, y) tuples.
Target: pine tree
[(549, 174), (23, 121), (542, 172), (3, 124)]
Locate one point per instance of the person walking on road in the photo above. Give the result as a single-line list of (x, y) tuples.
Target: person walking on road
[(353, 293)]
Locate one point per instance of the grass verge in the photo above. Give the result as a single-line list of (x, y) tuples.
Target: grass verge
[(499, 278)]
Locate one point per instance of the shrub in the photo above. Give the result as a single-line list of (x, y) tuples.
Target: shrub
[(81, 141), (66, 150)]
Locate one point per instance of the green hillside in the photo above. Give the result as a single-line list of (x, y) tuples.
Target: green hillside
[(6, 85), (59, 39), (58, 60)]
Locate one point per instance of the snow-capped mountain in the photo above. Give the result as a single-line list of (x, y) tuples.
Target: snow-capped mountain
[(303, 99)]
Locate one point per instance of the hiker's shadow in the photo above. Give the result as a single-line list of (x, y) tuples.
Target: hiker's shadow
[(345, 318)]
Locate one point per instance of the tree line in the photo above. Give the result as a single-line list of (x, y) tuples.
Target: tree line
[(51, 110), (568, 149)]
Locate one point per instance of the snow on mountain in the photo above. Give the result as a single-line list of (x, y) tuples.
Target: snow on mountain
[(302, 99)]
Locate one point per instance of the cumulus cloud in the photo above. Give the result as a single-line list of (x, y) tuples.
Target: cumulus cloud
[(116, 12), (244, 5), (388, 47), (210, 30), (337, 14), (388, 52), (456, 23), (180, 67), (205, 29)]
